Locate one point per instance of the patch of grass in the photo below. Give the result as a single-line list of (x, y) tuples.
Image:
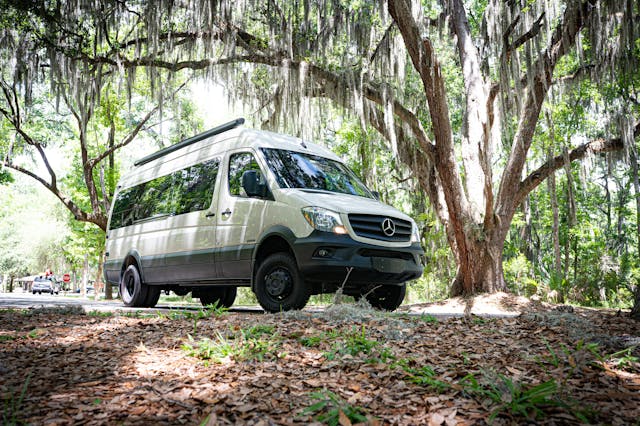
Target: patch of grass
[(429, 319), (624, 359), (56, 310), (7, 337), (352, 343), (513, 398), (33, 334), (239, 347), (426, 376), (311, 341), (333, 410), (100, 313), (257, 331), (12, 405)]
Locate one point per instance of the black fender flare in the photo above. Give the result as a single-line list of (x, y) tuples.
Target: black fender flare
[(274, 231), (138, 259)]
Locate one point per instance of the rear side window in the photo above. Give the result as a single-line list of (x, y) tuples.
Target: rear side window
[(183, 191), (238, 164)]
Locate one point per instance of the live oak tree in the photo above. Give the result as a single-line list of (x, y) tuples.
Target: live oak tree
[(456, 88)]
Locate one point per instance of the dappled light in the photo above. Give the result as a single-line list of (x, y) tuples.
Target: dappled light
[(187, 367)]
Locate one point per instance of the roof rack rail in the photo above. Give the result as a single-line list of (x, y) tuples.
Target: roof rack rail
[(216, 130)]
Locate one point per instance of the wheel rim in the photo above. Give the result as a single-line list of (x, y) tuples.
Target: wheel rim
[(128, 287), (278, 283)]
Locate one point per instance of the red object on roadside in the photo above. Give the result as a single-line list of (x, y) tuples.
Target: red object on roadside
[(66, 278)]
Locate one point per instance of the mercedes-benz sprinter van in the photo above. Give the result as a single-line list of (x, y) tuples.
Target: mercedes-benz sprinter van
[(237, 207)]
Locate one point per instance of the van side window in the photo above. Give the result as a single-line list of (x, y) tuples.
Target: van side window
[(194, 187), (238, 164), (183, 191)]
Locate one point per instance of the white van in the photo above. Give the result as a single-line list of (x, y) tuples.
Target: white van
[(236, 207)]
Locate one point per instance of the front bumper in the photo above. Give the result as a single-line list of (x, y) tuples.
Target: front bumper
[(325, 258)]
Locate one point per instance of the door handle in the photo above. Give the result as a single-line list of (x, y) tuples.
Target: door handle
[(227, 212), (210, 214)]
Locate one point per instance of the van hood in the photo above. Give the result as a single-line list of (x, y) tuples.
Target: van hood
[(344, 203)]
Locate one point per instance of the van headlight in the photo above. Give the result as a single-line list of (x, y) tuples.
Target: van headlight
[(415, 234), (324, 220)]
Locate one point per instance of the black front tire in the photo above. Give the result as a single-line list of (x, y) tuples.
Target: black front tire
[(386, 297), (132, 290), (278, 284)]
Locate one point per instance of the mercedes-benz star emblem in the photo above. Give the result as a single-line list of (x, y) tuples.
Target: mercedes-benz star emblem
[(388, 227)]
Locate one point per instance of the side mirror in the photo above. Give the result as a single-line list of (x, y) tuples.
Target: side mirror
[(376, 195), (253, 184)]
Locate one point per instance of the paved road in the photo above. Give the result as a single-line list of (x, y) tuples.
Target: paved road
[(19, 300)]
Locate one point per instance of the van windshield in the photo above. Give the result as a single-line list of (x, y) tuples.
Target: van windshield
[(299, 170)]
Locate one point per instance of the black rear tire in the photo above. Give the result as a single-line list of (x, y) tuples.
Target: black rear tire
[(387, 297), (132, 290), (222, 296), (278, 284), (153, 295)]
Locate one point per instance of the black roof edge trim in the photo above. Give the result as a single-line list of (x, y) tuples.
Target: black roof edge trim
[(216, 130)]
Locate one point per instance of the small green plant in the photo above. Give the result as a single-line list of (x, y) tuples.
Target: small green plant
[(12, 406), (513, 398), (214, 310), (425, 376), (429, 319), (553, 357), (239, 348), (332, 410), (311, 341), (258, 331), (96, 313), (354, 343), (7, 337), (624, 358), (207, 349), (33, 334)]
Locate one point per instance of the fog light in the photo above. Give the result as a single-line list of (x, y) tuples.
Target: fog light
[(323, 252)]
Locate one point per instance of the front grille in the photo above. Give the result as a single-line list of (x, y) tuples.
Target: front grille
[(386, 253), (371, 226)]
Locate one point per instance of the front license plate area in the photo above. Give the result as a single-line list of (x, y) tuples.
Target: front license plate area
[(387, 265)]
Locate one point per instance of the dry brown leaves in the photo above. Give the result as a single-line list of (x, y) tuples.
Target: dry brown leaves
[(80, 369)]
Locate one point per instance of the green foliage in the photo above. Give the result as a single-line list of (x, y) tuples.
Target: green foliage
[(12, 405), (423, 375), (251, 344), (331, 409), (353, 343), (5, 176), (100, 314), (625, 359), (513, 398)]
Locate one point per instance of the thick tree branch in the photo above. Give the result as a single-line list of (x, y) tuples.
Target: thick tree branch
[(530, 34), (476, 149), (13, 117), (541, 173), (97, 218), (561, 41)]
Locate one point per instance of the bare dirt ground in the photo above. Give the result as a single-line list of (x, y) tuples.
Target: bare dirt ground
[(520, 362)]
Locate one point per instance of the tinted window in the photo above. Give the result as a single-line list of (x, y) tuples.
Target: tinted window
[(300, 170), (184, 191), (195, 187), (238, 164)]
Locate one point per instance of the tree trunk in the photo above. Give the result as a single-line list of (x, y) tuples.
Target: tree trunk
[(97, 288), (635, 311), (85, 275), (555, 230), (480, 267)]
